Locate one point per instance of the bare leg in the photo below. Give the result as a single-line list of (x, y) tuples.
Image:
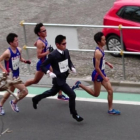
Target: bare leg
[(37, 78), (23, 92), (109, 89), (6, 96), (95, 92)]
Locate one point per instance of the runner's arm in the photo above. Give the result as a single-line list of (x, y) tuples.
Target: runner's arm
[(70, 62), (45, 63), (22, 59), (39, 50), (109, 64), (4, 56)]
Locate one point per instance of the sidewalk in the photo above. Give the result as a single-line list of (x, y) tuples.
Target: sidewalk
[(118, 86)]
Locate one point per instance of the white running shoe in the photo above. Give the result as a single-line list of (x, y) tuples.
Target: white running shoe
[(2, 112), (14, 106)]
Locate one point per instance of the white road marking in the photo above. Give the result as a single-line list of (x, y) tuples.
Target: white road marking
[(91, 100)]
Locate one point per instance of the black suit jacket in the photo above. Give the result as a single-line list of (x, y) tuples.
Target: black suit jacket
[(53, 59)]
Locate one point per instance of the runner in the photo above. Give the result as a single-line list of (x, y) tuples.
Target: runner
[(98, 75), (12, 57), (61, 63), (43, 50)]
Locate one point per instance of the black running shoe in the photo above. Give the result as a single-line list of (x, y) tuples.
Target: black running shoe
[(34, 103), (78, 118)]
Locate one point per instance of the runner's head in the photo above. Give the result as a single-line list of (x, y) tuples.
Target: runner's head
[(60, 42), (12, 39), (100, 39), (40, 30)]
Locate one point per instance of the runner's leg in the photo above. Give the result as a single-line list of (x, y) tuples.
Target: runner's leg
[(37, 78)]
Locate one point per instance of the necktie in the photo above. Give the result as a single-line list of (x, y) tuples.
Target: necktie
[(62, 52), (63, 55)]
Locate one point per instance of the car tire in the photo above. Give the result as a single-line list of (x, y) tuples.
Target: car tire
[(114, 44)]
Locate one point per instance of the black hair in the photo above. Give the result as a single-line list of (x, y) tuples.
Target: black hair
[(59, 39), (98, 37), (37, 28), (10, 37)]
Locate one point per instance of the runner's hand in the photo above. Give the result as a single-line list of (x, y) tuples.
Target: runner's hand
[(73, 70), (27, 61), (51, 74), (51, 49), (5, 71), (110, 65)]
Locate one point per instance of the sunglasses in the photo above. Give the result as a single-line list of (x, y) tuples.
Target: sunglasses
[(43, 31), (63, 43)]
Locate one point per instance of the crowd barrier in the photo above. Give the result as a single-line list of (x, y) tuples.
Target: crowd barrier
[(120, 27)]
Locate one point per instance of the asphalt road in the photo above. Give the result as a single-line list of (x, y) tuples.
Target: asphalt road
[(53, 121)]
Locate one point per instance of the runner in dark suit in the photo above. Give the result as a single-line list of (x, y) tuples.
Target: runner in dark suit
[(61, 63)]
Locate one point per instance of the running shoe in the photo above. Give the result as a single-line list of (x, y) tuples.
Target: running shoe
[(76, 85), (35, 103), (2, 112), (78, 118), (62, 97), (114, 112), (14, 106)]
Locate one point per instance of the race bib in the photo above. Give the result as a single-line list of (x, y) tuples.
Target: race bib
[(103, 64), (15, 62), (63, 66)]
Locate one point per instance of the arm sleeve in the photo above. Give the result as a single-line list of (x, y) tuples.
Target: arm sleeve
[(70, 62), (45, 63)]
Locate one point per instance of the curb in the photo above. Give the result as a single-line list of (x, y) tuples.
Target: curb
[(86, 81), (118, 86), (114, 83)]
